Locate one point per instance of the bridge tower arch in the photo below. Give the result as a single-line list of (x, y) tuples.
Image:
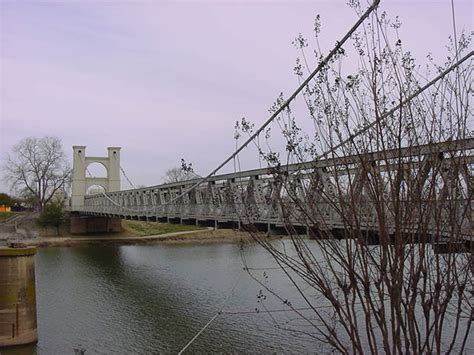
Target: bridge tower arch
[(80, 182)]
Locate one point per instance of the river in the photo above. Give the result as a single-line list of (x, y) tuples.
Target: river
[(155, 298)]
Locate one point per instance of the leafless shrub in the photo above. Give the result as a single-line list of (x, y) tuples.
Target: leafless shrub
[(382, 183)]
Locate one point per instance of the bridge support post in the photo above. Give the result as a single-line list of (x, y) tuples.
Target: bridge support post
[(17, 296), (81, 224)]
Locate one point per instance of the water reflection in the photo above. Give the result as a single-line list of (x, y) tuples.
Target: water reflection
[(149, 299)]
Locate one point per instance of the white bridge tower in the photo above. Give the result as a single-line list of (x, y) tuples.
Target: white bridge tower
[(80, 183)]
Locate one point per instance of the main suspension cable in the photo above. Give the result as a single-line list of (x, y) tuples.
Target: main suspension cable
[(401, 104), (321, 65), (287, 102)]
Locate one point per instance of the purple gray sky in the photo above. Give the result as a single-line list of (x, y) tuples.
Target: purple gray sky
[(167, 80)]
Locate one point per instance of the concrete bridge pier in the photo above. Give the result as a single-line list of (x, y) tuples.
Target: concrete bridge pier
[(81, 224), (18, 324)]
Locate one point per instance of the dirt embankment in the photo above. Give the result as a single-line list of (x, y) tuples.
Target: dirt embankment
[(201, 236), (188, 237), (134, 232)]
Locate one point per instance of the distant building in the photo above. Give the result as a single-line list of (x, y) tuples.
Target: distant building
[(5, 208)]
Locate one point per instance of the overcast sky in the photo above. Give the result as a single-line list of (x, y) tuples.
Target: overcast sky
[(167, 80)]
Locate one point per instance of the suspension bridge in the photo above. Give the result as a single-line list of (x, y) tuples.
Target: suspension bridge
[(430, 184), (254, 197)]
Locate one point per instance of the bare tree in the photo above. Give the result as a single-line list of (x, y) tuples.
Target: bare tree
[(382, 182), (181, 173), (37, 167)]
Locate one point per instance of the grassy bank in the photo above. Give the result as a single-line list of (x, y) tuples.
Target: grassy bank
[(134, 232), (143, 229)]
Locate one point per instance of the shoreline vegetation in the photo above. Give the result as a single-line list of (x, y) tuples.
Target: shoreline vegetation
[(134, 232)]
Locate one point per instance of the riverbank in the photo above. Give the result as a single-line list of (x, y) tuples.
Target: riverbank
[(186, 237), (134, 232)]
